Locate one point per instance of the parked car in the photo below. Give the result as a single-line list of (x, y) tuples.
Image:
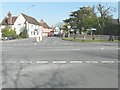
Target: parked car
[(4, 38), (10, 37)]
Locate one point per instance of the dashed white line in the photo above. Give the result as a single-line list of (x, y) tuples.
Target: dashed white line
[(102, 48)]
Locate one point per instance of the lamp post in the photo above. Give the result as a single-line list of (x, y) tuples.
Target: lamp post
[(28, 8), (0, 32), (68, 30)]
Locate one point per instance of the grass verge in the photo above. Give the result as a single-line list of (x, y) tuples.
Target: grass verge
[(81, 40)]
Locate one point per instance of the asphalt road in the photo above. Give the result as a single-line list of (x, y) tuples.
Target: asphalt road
[(55, 63)]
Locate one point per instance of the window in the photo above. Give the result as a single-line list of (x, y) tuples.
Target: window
[(19, 24), (37, 33), (31, 26), (34, 32)]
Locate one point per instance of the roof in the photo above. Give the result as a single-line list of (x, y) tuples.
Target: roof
[(30, 19), (53, 28), (44, 24), (57, 28), (4, 21), (46, 30)]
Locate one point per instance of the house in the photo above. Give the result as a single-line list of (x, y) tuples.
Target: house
[(57, 31), (21, 22), (45, 28), (8, 21)]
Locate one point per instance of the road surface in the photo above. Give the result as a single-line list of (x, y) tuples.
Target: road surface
[(55, 63)]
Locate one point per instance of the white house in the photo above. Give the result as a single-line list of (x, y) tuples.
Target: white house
[(21, 22), (57, 31)]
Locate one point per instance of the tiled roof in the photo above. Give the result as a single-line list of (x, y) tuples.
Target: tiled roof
[(44, 24), (53, 28), (30, 19), (4, 21)]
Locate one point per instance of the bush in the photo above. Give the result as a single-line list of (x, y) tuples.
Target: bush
[(9, 32), (23, 34)]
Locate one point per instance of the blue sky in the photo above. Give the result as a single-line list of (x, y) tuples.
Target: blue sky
[(50, 12)]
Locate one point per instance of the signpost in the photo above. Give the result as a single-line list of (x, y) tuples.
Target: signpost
[(69, 31)]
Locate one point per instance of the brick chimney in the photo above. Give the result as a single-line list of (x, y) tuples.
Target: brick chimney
[(9, 20)]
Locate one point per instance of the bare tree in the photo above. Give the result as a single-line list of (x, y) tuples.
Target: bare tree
[(104, 17)]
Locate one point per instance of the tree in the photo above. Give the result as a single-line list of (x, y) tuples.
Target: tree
[(65, 29), (90, 17), (82, 19), (59, 25), (111, 29), (104, 18)]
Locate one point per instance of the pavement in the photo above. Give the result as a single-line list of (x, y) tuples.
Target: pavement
[(55, 63)]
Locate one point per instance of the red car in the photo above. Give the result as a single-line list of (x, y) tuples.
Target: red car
[(49, 34)]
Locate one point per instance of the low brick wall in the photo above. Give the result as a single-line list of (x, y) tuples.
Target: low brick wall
[(97, 37)]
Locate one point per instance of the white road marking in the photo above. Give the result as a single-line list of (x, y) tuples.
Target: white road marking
[(34, 43), (76, 49), (102, 48), (55, 41), (3, 50)]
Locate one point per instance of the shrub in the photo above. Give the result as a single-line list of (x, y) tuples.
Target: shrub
[(23, 34), (8, 32), (5, 32)]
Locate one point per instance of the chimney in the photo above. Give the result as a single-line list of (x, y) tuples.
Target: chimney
[(41, 21), (9, 20)]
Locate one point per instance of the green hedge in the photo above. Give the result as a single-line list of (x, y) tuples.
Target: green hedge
[(23, 34)]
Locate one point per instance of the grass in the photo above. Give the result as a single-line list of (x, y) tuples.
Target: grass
[(81, 40)]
